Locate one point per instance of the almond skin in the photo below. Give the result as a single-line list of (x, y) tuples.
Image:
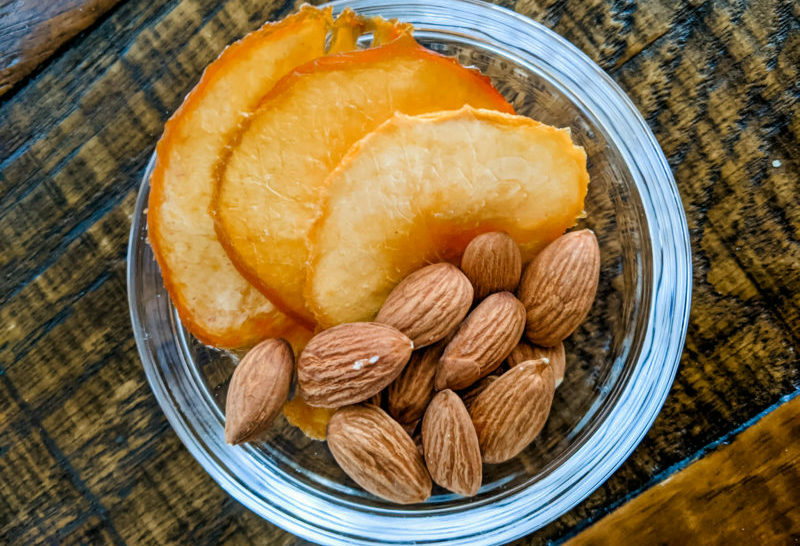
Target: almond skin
[(375, 451), (428, 304), (350, 363), (258, 389), (469, 395), (409, 394), (482, 342), (450, 445), (512, 411), (558, 287), (493, 263), (556, 355)]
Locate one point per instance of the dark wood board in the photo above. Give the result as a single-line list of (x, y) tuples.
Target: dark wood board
[(745, 492), (34, 30), (86, 454)]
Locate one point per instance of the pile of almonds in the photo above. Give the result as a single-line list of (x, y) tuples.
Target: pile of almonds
[(434, 359)]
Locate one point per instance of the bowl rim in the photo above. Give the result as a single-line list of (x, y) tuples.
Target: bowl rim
[(512, 516)]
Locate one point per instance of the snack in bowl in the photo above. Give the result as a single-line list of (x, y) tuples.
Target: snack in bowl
[(422, 236)]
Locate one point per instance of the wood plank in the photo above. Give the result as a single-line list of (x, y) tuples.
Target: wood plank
[(31, 31), (745, 492), (101, 251), (722, 94), (93, 530), (607, 31), (39, 500)]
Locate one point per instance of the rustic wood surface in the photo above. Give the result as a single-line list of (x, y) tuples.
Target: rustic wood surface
[(724, 497), (86, 455), (33, 31)]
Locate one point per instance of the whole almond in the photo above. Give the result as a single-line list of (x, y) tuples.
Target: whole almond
[(482, 342), (375, 451), (258, 389), (350, 363), (558, 287), (450, 445), (512, 411), (409, 394), (428, 304), (493, 263), (555, 355), (470, 394)]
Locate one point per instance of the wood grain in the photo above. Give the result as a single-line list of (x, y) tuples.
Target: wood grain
[(33, 30), (86, 454), (745, 492)]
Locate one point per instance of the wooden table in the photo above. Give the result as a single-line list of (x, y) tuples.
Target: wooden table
[(86, 454)]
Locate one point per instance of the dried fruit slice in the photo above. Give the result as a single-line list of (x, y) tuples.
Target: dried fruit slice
[(214, 301), (312, 421), (269, 184), (418, 189)]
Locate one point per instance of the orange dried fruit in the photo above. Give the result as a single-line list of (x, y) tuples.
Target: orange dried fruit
[(269, 184), (419, 188), (312, 421), (214, 301)]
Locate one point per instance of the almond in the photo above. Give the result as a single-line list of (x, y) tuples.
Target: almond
[(350, 363), (558, 287), (450, 445), (470, 394), (257, 391), (409, 394), (555, 355), (375, 451), (512, 411), (428, 304), (493, 263), (482, 342)]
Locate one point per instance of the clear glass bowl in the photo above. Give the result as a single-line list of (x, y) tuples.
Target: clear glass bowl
[(620, 363)]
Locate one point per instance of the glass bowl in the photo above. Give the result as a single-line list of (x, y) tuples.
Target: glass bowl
[(620, 363)]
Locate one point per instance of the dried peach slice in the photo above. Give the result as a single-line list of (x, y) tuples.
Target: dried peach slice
[(270, 181), (214, 301), (418, 189), (312, 421)]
